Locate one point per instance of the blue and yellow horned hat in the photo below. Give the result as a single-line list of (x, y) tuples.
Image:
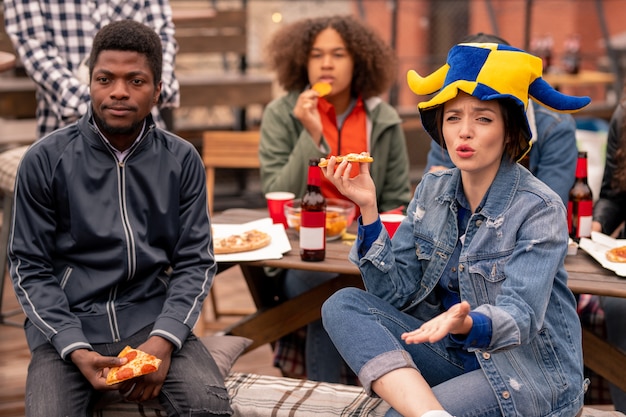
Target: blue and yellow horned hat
[(489, 71)]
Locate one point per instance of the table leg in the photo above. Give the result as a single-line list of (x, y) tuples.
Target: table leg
[(270, 323), (604, 359)]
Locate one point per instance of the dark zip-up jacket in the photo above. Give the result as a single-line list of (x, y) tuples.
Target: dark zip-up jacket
[(99, 249), (610, 208)]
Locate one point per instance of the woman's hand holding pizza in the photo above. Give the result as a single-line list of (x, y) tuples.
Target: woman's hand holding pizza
[(360, 189)]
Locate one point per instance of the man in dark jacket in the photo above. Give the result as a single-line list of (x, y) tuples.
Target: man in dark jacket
[(111, 245)]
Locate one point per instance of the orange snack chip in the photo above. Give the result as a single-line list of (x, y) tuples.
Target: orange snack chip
[(323, 88)]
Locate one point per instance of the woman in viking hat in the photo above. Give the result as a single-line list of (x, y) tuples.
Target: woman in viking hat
[(467, 309)]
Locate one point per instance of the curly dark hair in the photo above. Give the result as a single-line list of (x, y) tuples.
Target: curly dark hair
[(129, 35), (375, 63)]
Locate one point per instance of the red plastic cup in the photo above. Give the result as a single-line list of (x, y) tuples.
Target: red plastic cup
[(391, 221), (276, 205)]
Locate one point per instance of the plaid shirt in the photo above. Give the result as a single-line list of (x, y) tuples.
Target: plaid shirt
[(53, 38)]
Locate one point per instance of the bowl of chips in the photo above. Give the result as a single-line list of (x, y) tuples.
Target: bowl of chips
[(339, 216)]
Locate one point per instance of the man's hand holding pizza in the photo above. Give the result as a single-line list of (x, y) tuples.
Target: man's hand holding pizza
[(148, 386), (94, 366)]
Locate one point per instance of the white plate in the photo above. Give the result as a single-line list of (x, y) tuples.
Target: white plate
[(597, 247), (279, 245)]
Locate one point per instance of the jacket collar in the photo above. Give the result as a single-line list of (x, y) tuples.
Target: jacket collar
[(504, 185), (91, 133)]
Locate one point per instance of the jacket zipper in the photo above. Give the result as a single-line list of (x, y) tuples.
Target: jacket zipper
[(128, 232)]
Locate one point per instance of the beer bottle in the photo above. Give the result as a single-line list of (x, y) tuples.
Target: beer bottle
[(313, 217), (580, 204)]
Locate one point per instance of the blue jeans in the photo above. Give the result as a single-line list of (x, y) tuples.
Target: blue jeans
[(193, 387), (615, 321), (366, 330), (322, 360)]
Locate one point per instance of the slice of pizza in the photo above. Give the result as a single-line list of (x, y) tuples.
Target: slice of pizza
[(241, 242), (617, 254), (351, 157), (139, 363)]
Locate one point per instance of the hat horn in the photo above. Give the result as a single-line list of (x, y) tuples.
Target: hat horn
[(545, 94), (427, 85)]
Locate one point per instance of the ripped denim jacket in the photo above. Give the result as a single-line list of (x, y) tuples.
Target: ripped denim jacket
[(511, 268)]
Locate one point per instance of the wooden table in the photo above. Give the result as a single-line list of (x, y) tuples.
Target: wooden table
[(277, 317), (7, 61)]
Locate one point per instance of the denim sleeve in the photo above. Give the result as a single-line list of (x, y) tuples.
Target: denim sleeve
[(479, 336), (366, 235)]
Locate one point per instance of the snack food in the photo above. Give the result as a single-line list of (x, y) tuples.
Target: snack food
[(617, 254), (336, 223), (323, 88), (351, 157), (139, 363), (241, 242)]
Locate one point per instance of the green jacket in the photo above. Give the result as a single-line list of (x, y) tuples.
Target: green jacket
[(286, 148)]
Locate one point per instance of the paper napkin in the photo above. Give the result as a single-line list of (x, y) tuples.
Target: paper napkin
[(597, 247)]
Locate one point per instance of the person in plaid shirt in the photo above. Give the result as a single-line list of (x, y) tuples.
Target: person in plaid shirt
[(53, 39)]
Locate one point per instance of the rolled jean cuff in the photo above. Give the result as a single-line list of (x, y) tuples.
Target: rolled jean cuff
[(382, 365)]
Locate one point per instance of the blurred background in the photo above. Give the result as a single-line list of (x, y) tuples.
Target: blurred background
[(582, 42), (422, 31)]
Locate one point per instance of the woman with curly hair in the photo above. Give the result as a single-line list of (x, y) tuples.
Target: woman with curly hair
[(359, 66), (609, 214)]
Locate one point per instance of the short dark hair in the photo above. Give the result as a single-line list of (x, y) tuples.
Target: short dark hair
[(129, 35)]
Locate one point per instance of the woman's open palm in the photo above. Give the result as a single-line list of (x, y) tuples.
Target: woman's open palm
[(452, 321)]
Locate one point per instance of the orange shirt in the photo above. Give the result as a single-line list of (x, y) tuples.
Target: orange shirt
[(352, 138)]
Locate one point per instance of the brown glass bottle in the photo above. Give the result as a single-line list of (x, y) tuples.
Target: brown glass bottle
[(313, 217), (580, 204)]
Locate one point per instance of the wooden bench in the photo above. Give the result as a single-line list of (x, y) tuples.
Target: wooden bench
[(17, 97)]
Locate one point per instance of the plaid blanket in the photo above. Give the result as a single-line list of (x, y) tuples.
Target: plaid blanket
[(9, 160), (255, 395), (264, 396)]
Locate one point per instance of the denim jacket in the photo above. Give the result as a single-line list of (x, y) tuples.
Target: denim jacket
[(511, 269)]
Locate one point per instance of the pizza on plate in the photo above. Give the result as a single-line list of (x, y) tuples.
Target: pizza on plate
[(617, 254), (241, 242), (139, 363), (351, 157)]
